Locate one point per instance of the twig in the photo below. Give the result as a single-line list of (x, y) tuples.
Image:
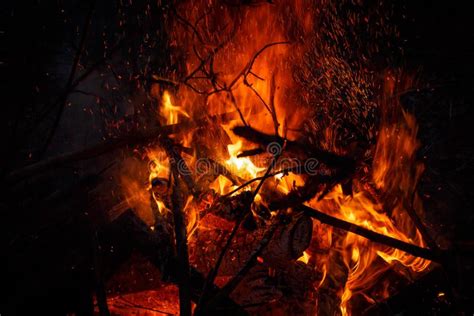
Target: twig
[(248, 68)]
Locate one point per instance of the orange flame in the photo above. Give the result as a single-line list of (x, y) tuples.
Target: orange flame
[(257, 72)]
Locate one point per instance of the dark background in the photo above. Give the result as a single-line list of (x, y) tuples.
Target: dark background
[(37, 43)]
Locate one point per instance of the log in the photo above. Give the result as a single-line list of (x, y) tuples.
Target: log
[(89, 153)]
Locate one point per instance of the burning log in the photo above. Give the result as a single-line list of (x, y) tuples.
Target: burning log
[(89, 153)]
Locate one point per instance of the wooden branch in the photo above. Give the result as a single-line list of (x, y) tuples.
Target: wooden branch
[(88, 153), (292, 147), (135, 138), (411, 249), (418, 223)]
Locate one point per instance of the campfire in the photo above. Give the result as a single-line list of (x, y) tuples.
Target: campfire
[(287, 211), (276, 171)]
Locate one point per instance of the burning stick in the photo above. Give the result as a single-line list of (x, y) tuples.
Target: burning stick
[(414, 250)]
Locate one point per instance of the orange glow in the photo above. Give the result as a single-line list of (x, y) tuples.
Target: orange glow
[(392, 169), (242, 166), (255, 76)]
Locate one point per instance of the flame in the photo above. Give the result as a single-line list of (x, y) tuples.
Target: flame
[(304, 258), (170, 111), (394, 170), (243, 165), (222, 185), (254, 79)]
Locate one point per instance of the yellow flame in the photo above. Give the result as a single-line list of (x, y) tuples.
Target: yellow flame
[(243, 165), (305, 257), (169, 110)]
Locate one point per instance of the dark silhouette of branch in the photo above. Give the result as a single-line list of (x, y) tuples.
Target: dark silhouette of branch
[(72, 74)]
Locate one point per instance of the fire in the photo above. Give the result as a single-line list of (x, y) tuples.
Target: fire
[(305, 257), (396, 146), (241, 165), (257, 72), (170, 111)]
